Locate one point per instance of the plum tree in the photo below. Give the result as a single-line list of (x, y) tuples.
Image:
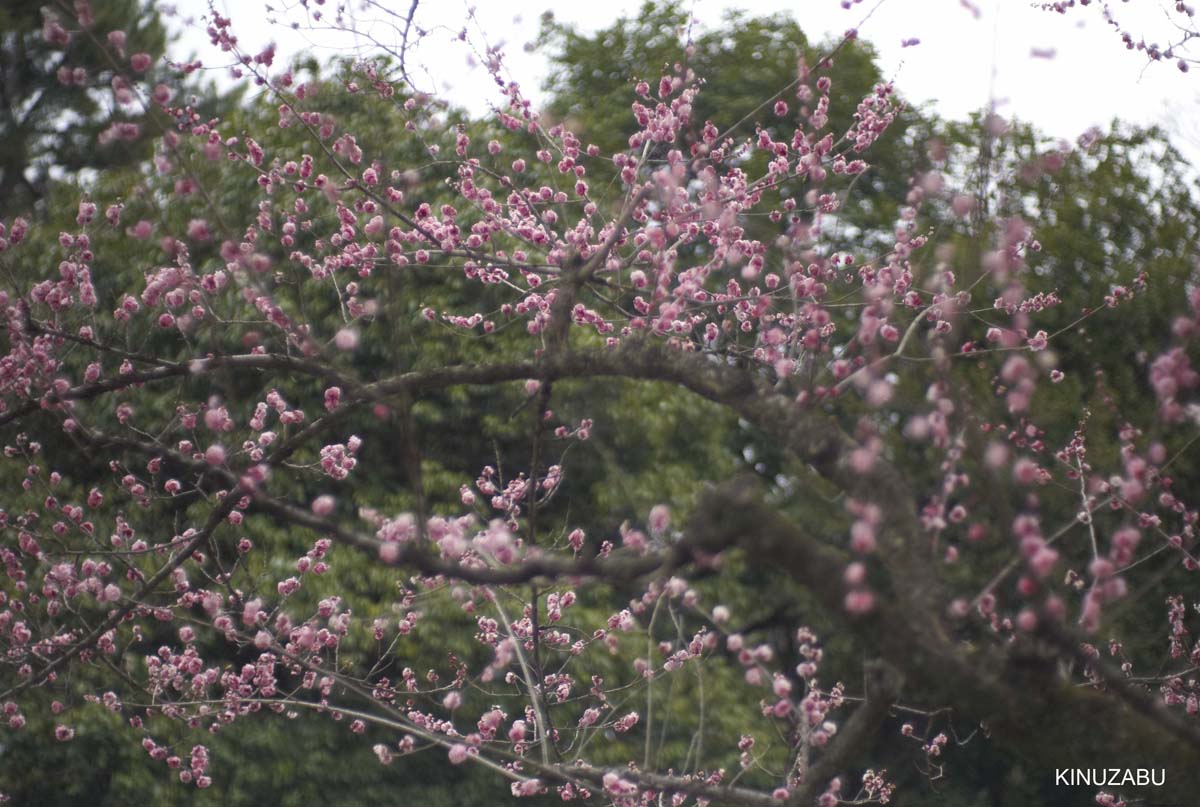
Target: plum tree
[(232, 490)]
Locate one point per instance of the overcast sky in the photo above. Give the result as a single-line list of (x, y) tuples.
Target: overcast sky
[(1062, 72)]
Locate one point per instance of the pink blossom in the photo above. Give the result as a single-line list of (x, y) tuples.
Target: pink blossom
[(1026, 471), (527, 787), (962, 205), (635, 540), (660, 519), (860, 602), (862, 537), (198, 230), (323, 505)]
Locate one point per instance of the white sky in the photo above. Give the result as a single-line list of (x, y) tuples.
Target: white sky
[(960, 63)]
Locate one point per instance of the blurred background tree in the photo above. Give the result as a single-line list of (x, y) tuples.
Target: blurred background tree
[(65, 104)]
